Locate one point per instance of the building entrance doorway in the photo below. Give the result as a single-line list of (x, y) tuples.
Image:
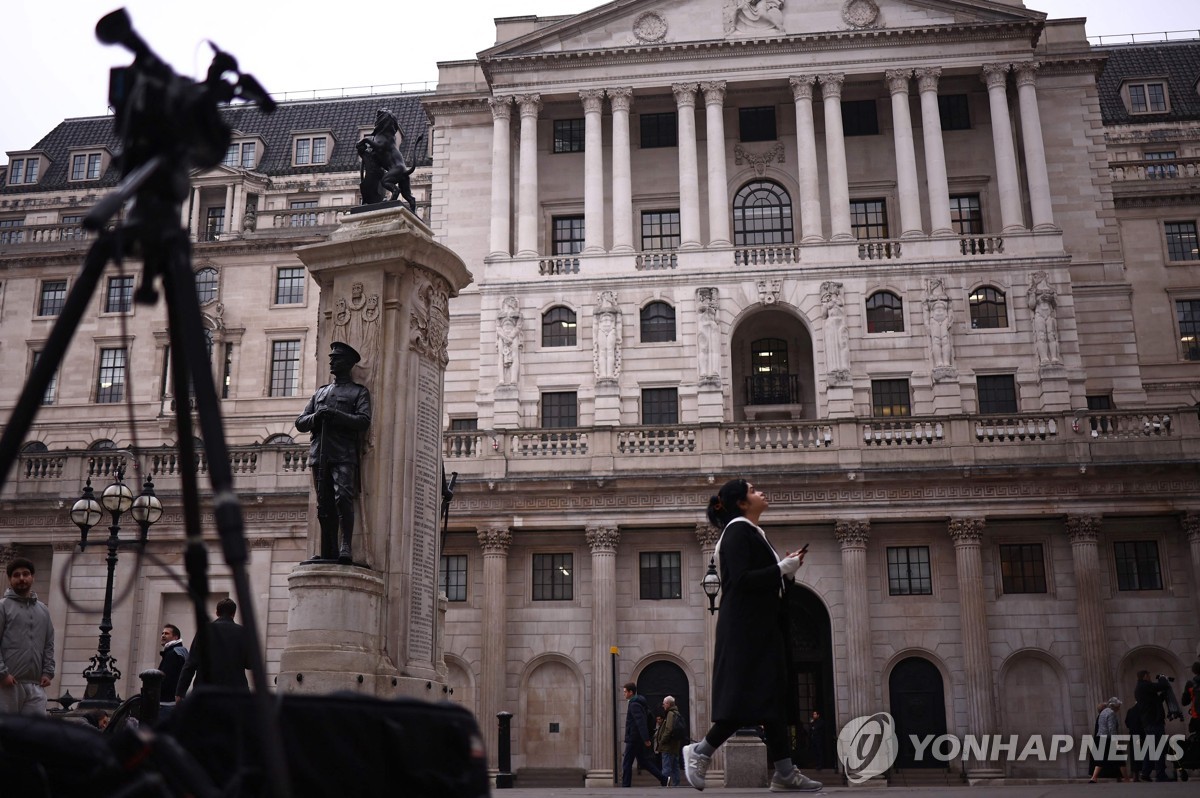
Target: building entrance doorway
[(810, 651), (918, 707), (659, 680)]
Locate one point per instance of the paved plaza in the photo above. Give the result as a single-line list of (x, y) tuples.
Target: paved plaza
[(1051, 790)]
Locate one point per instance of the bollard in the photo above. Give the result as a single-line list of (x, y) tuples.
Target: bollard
[(504, 777), (151, 695)]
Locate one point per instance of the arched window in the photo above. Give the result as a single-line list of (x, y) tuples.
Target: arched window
[(279, 439), (658, 323), (206, 284), (101, 445), (885, 313), (558, 327), (989, 308), (34, 447), (762, 214)]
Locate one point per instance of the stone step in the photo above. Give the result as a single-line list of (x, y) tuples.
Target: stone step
[(549, 777)]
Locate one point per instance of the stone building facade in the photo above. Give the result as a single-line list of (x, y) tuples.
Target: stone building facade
[(926, 272)]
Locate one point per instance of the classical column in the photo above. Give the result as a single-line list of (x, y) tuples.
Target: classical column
[(602, 539), (1035, 148), (936, 184), (906, 154), (1084, 531), (1191, 525), (977, 662), (527, 183), (238, 208), (835, 158), (622, 180), (195, 224), (853, 536), (227, 221), (501, 176), (718, 191), (593, 170), (707, 536), (494, 541), (689, 179), (996, 78), (806, 159)]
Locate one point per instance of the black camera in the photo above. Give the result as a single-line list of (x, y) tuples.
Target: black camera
[(1163, 676)]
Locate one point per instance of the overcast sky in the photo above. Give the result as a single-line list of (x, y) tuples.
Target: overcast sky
[(52, 67)]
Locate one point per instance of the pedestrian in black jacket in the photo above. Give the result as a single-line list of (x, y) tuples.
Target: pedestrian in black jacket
[(638, 738), (229, 658), (1149, 696), (173, 656)]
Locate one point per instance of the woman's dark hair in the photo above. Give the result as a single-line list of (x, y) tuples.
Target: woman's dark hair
[(723, 507)]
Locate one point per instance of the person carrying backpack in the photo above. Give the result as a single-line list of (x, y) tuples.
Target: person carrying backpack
[(669, 741), (639, 734)]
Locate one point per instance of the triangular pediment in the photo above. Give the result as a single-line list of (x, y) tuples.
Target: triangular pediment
[(632, 23)]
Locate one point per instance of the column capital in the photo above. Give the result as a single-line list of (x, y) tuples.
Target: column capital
[(501, 106), (995, 75), (897, 80), (802, 86), (966, 531), (1191, 525), (494, 539), (714, 92), (928, 77), (1083, 528), (593, 100), (852, 533), (530, 104), (621, 98), (685, 94), (1026, 72), (831, 84), (602, 538), (707, 535)]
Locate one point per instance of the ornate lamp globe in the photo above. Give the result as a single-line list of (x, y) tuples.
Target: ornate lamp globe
[(117, 497), (86, 513), (711, 585)]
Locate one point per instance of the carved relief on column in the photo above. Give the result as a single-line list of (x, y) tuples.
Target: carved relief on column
[(501, 107), (602, 538), (429, 322), (837, 334), (966, 531), (1083, 528), (356, 322), (709, 336), (606, 338), (939, 318), (707, 535), (852, 534), (494, 539), (897, 80), (685, 94), (1042, 299)]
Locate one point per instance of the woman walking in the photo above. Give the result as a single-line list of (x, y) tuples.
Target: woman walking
[(749, 661)]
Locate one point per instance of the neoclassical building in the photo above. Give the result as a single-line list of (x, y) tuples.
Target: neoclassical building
[(925, 271)]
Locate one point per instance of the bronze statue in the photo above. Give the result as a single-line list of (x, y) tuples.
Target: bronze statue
[(336, 415), (383, 168)]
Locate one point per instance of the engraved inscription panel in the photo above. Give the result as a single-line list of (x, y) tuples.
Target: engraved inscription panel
[(427, 491)]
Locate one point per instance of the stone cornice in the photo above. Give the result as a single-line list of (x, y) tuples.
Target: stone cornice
[(1181, 198), (456, 105)]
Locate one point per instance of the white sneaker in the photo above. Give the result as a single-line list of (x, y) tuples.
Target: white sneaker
[(695, 765), (794, 782)]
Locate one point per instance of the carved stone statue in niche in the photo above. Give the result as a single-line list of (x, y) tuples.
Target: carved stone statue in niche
[(1043, 301), (837, 334), (606, 343), (939, 319), (508, 341), (753, 16), (708, 336)]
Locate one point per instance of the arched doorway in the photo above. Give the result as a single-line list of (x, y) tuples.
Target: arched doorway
[(810, 651), (918, 701), (661, 679), (771, 352)]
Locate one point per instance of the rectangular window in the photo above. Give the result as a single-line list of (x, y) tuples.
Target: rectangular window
[(52, 388), (310, 151), (757, 124), (31, 170), (860, 118), (110, 383), (660, 230), (1187, 312), (452, 577), (1022, 568), (660, 575), (659, 130), (120, 294), (908, 571), (11, 232), (954, 111), (1181, 241), (72, 227), (227, 371), (1160, 171), (997, 394), (285, 368), (868, 219), (568, 135), (16, 170), (660, 406), (966, 217), (93, 167), (85, 166), (568, 235), (890, 398), (78, 166), (552, 577), (216, 222), (560, 409), (303, 219), (1147, 98), (248, 155), (1137, 565), (231, 156), (289, 286), (54, 294)]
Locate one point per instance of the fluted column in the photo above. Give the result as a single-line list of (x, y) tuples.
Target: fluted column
[(238, 209), (1035, 148), (493, 658), (602, 539), (996, 78), (622, 180), (835, 158), (718, 191), (593, 170), (227, 222), (906, 154), (689, 178), (937, 186), (1191, 526), (977, 662), (527, 183), (853, 537), (195, 224), (1084, 533), (707, 536), (501, 176), (806, 159)]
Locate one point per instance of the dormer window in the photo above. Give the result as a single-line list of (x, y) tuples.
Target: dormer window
[(242, 154), (87, 165), (1146, 97), (310, 150), (24, 170)]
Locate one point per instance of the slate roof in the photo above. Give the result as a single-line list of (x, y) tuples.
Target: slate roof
[(343, 118), (1178, 62)]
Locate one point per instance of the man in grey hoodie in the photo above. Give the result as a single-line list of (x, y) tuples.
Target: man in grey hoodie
[(26, 644)]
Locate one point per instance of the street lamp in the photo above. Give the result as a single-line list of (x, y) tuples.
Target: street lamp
[(711, 585), (146, 509)]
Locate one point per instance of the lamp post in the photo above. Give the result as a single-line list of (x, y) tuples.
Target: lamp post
[(711, 583), (146, 509)]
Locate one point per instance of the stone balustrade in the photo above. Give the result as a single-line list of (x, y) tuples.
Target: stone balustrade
[(1165, 169)]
